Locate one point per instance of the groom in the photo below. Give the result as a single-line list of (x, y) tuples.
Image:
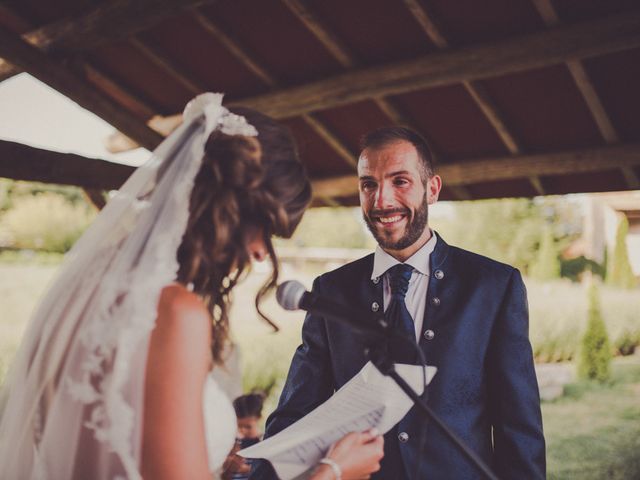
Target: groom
[(468, 314)]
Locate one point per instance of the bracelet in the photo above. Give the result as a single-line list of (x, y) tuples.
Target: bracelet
[(337, 471)]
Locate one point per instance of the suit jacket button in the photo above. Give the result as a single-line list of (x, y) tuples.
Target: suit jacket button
[(429, 334), (439, 274), (403, 437), (435, 301), (375, 307)]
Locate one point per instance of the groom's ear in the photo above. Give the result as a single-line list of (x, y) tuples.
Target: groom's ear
[(434, 185)]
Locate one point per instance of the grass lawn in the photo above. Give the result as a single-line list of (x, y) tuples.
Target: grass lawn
[(593, 432)]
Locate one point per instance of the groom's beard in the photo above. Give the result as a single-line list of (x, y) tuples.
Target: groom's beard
[(412, 231)]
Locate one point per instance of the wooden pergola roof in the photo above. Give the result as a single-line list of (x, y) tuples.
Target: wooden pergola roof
[(516, 97)]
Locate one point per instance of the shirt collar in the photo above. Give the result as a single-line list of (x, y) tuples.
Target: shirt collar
[(382, 261)]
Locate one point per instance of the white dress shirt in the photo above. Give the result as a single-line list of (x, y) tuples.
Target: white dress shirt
[(416, 297)]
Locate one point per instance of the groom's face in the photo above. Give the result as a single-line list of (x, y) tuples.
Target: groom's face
[(394, 196)]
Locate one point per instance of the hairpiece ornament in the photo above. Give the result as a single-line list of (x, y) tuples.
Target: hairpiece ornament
[(217, 117)]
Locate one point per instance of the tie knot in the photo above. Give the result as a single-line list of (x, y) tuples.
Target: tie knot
[(399, 276)]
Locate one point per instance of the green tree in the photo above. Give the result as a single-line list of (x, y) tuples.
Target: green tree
[(546, 265), (619, 273), (595, 352), (508, 230)]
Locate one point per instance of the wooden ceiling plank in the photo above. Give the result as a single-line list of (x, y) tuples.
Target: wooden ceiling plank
[(477, 92), (427, 23), (310, 19), (329, 137), (509, 168), (536, 183), (547, 11), (475, 89), (591, 97), (48, 71), (631, 177), (161, 60), (248, 61), (109, 22), (239, 52), (584, 39), (393, 112), (588, 91), (253, 65), (614, 33), (340, 52), (493, 115), (105, 81)]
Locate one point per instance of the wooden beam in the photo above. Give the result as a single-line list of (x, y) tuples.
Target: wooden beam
[(254, 66), (332, 43), (493, 115), (240, 53), (581, 78), (22, 162), (340, 52), (474, 88), (477, 92), (509, 168), (585, 39), (48, 71), (593, 101), (554, 163), (547, 11), (109, 22), (338, 146), (96, 197), (631, 177), (119, 91), (427, 23), (168, 66)]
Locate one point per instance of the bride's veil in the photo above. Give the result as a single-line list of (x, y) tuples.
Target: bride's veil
[(72, 403)]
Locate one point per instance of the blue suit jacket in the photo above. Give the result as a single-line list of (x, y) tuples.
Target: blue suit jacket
[(485, 388)]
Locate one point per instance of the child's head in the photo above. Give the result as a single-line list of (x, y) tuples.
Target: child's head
[(249, 412)]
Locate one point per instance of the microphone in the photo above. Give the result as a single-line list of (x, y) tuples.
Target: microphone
[(292, 295)]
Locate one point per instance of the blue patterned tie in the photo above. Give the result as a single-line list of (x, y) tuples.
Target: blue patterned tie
[(397, 314)]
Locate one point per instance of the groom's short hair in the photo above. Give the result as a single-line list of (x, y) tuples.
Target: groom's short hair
[(381, 137)]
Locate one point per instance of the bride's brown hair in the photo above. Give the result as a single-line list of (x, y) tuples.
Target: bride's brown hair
[(245, 185)]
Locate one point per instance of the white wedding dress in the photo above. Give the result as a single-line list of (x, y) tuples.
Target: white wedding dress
[(220, 425)]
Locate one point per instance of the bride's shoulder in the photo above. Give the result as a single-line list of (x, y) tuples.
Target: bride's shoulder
[(181, 308)]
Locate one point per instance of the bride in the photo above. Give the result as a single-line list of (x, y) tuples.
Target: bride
[(112, 380)]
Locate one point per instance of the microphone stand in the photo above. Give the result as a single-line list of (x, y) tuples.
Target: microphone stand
[(383, 363)]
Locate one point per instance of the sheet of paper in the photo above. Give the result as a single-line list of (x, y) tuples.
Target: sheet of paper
[(368, 400)]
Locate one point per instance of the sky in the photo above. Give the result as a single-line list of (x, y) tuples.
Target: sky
[(34, 114)]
